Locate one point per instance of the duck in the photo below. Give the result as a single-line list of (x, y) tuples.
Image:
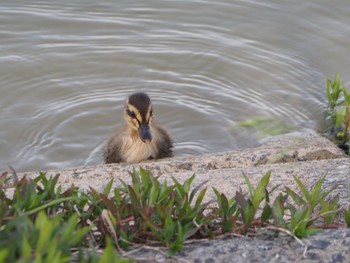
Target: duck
[(141, 138)]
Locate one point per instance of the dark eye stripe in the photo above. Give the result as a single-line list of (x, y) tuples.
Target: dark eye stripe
[(131, 113)]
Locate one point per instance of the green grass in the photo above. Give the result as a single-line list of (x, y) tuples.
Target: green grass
[(43, 223)]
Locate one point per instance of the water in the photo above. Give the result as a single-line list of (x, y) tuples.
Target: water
[(67, 66)]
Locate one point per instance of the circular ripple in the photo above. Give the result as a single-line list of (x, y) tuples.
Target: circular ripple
[(67, 68)]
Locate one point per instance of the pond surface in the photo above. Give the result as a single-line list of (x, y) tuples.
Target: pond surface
[(67, 66)]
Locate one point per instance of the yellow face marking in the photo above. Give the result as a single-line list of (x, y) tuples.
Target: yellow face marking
[(149, 115), (132, 117), (134, 112)]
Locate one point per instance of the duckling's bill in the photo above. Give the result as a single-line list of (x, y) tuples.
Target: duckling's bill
[(145, 133)]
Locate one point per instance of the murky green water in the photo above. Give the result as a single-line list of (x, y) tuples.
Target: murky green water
[(67, 66)]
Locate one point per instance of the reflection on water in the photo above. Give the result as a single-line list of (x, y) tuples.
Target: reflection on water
[(67, 66)]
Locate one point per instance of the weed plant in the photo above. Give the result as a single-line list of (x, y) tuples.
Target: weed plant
[(43, 223), (337, 115), (40, 223)]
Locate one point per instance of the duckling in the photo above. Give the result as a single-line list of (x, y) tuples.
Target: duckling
[(141, 139)]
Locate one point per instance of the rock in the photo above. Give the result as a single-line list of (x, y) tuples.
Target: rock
[(327, 246)]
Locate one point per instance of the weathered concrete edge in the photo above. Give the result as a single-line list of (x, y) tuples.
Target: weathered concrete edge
[(304, 154)]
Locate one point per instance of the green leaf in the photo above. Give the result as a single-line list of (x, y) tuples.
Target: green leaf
[(316, 192), (297, 199), (26, 249), (249, 214), (72, 234), (45, 228), (108, 187), (347, 217), (218, 195), (336, 87), (328, 207), (51, 203), (267, 213), (134, 198), (227, 225), (179, 189), (153, 195), (200, 198), (174, 247), (136, 182), (278, 210), (169, 228), (300, 220), (340, 116), (302, 188), (4, 252), (247, 209), (328, 87), (233, 206), (165, 192), (306, 232), (224, 203), (196, 189), (180, 234), (187, 183), (267, 197), (54, 254), (259, 193), (117, 196), (346, 96), (301, 214), (78, 236), (69, 228), (146, 180), (110, 255), (251, 189)]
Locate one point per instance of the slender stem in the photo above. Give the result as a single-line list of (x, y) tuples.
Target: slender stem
[(286, 231)]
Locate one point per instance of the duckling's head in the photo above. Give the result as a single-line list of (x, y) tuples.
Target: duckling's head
[(138, 115)]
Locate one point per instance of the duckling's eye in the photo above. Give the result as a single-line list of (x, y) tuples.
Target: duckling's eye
[(131, 114)]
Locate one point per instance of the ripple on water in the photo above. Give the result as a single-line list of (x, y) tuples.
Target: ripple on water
[(70, 66)]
